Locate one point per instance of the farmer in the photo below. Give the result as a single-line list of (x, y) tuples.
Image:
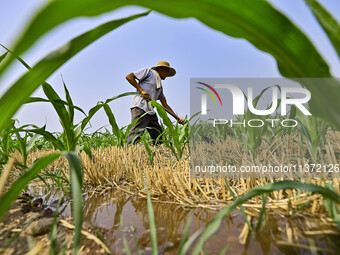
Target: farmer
[(150, 86)]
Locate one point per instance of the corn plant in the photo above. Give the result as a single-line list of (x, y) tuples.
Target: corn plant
[(6, 144), (73, 132), (11, 140), (314, 130), (253, 136), (204, 131), (25, 144), (179, 136), (65, 110), (121, 134)]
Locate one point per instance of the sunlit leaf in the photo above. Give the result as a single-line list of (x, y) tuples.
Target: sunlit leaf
[(29, 82)]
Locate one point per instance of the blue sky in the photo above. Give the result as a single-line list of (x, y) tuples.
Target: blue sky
[(99, 71)]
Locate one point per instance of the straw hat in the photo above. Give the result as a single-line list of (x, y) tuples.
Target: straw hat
[(172, 71)]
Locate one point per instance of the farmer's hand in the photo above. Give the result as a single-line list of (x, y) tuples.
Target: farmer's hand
[(145, 95), (180, 121)]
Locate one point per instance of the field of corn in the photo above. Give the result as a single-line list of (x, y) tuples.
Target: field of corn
[(81, 164)]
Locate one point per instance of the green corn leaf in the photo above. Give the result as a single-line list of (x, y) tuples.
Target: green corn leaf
[(162, 113), (3, 56), (255, 20), (225, 249), (70, 103), (213, 225), (336, 216), (37, 100), (22, 145), (174, 132), (15, 56), (121, 95), (76, 177), (148, 149), (15, 189), (87, 151), (241, 207), (152, 223), (126, 246), (328, 23), (189, 242), (184, 236), (53, 233), (49, 137), (29, 82), (62, 113), (91, 113), (183, 132), (99, 105), (115, 129), (58, 101), (263, 209), (127, 131)]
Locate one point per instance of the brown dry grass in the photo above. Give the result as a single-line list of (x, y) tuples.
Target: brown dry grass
[(169, 180)]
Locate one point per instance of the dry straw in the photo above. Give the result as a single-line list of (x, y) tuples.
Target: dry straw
[(169, 180)]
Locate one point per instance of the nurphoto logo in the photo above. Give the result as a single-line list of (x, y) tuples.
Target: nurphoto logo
[(285, 99), (259, 127), (239, 99)]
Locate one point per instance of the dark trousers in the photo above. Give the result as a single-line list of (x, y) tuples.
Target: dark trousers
[(149, 121)]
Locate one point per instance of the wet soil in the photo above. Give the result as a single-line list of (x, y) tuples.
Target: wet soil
[(27, 226), (113, 216)]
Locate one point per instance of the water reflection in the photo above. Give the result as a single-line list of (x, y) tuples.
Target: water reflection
[(116, 215)]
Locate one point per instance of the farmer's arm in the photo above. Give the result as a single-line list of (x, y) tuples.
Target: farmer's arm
[(169, 110), (132, 80)]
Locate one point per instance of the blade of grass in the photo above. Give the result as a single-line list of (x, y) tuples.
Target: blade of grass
[(263, 209), (115, 129), (151, 153), (328, 23), (190, 241), (213, 225), (225, 249), (48, 136), (152, 226), (99, 105), (126, 246), (69, 101), (241, 207), (184, 236), (76, 177), (54, 231), (62, 113)]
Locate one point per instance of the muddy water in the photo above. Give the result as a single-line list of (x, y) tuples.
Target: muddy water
[(116, 215)]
